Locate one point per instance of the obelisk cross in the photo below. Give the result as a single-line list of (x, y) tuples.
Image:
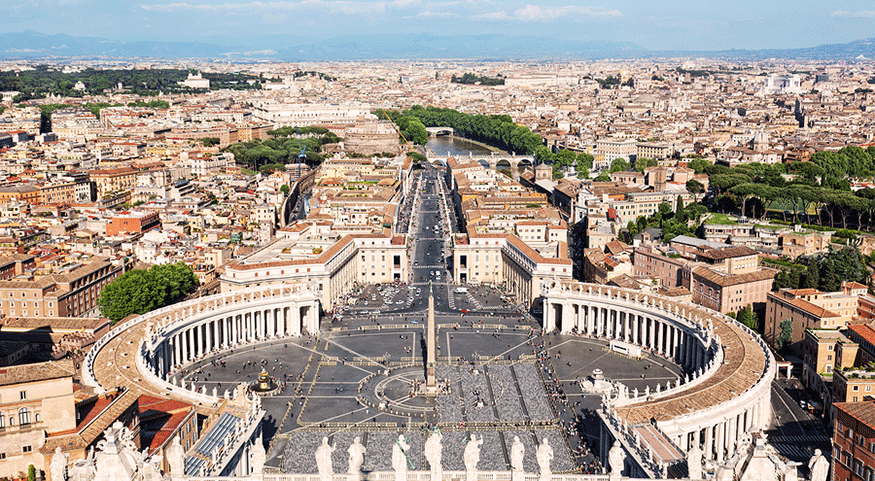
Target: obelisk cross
[(431, 363)]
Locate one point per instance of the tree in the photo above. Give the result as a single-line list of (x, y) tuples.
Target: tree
[(749, 318), (284, 189), (786, 335), (699, 165), (679, 209), (31, 473), (140, 291), (584, 161), (620, 165), (812, 275), (664, 209), (695, 187), (603, 177)]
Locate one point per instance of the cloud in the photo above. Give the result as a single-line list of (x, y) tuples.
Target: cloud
[(857, 14), (536, 13), (430, 14), (499, 16), (226, 7), (338, 6)]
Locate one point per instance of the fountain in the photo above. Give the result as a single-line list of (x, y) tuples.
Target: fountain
[(265, 385)]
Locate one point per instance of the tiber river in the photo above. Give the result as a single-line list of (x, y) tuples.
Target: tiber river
[(454, 146)]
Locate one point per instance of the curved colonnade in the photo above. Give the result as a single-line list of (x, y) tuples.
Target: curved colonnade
[(727, 391), (177, 335), (142, 353)]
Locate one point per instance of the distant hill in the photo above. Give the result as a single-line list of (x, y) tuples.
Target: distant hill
[(31, 44)]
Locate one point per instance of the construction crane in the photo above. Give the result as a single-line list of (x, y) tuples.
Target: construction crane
[(409, 145)]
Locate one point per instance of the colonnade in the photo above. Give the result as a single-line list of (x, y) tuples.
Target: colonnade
[(224, 331), (690, 336), (650, 330)]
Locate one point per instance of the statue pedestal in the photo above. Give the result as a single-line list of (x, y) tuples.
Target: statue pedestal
[(517, 476)]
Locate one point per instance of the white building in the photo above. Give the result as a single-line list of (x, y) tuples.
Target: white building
[(196, 81)]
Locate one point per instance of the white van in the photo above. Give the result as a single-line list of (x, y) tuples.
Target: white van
[(461, 290)]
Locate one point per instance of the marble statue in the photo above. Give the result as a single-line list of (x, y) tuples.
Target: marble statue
[(83, 470), (616, 459), (176, 458), (517, 452), (356, 456), (399, 458), (544, 454), (818, 466), (432, 453), (257, 457), (58, 467), (472, 456), (323, 458), (694, 462)]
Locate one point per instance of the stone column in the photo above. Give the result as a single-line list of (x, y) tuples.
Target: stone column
[(651, 341), (590, 320), (709, 442), (721, 441)]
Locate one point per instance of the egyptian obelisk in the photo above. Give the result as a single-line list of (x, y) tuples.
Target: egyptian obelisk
[(431, 362)]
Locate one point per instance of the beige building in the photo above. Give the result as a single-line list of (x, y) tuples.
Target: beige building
[(728, 279), (35, 401), (803, 243), (69, 291), (313, 254), (371, 137), (807, 309), (112, 180), (505, 259)]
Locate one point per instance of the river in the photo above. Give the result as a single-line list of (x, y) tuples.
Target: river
[(454, 146)]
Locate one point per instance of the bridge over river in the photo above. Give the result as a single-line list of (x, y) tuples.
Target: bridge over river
[(516, 164)]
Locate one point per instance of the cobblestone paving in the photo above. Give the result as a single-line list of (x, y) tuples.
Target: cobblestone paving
[(507, 400), (533, 392)]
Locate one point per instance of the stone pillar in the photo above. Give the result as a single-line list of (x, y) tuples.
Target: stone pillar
[(721, 442), (590, 320), (709, 442), (733, 432), (651, 341)]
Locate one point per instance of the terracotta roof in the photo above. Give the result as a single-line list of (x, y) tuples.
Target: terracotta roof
[(726, 280), (863, 412), (804, 305), (728, 252), (43, 371), (864, 331)]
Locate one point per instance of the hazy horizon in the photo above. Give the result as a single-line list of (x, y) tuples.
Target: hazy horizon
[(674, 26)]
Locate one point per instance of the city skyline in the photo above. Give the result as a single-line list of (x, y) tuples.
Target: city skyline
[(676, 26)]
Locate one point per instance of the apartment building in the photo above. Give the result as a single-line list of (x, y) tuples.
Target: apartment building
[(112, 180), (807, 308), (132, 223), (71, 291), (35, 401), (853, 457)]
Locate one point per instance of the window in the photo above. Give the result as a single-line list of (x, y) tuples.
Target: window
[(26, 449), (22, 395), (23, 416), (2, 455), (2, 421), (36, 418)]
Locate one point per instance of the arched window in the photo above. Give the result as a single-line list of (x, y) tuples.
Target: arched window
[(2, 421), (23, 416), (12, 420), (36, 418)]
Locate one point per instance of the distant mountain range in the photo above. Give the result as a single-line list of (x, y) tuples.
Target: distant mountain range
[(30, 45)]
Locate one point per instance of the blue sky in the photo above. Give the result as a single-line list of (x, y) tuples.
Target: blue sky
[(674, 25)]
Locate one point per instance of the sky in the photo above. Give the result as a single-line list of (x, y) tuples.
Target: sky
[(653, 24)]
